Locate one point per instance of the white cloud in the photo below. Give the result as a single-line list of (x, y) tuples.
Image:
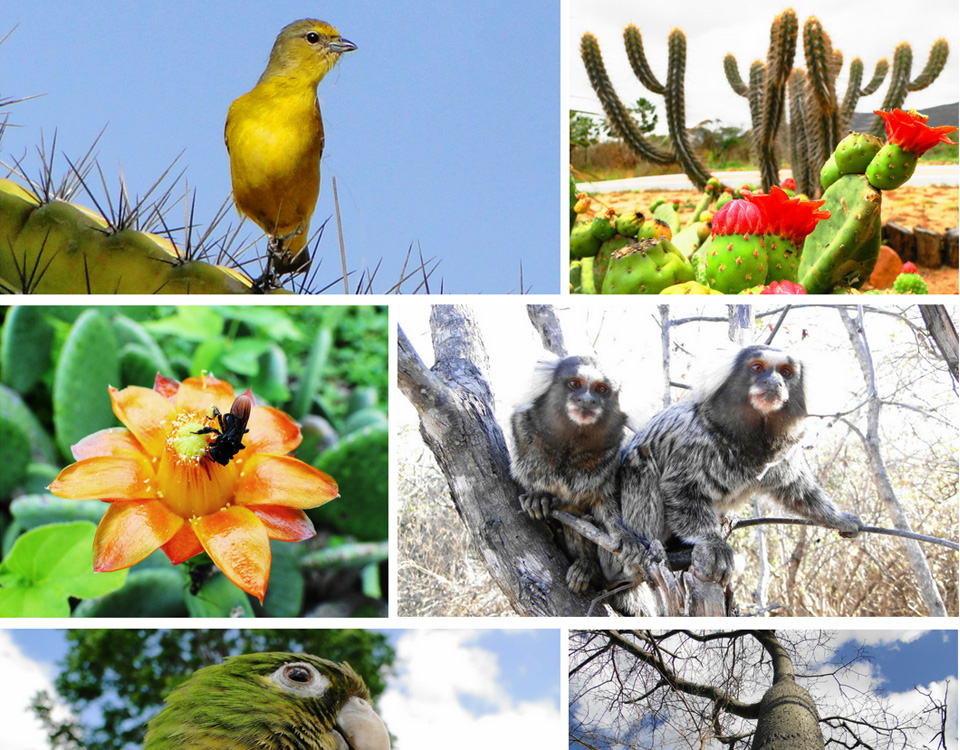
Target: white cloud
[(23, 678), (422, 710)]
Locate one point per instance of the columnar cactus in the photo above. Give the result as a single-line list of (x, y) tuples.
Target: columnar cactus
[(621, 120), (766, 92), (900, 82)]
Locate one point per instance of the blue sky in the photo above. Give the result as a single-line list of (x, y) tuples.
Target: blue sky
[(485, 686), (443, 128)]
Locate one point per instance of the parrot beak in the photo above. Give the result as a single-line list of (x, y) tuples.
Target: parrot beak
[(360, 728)]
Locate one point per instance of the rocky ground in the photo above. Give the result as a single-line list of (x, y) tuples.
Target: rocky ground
[(935, 208)]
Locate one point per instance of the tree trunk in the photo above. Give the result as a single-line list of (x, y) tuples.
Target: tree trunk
[(788, 719)]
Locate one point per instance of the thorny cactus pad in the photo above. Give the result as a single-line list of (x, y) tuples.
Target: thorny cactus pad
[(736, 257), (908, 138)]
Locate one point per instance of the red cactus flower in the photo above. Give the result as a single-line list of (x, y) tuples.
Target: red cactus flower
[(737, 217), (908, 267), (910, 131), (790, 218), (167, 491), (783, 287), (789, 184)]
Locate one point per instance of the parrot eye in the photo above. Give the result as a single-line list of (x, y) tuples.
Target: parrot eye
[(298, 674), (301, 679)]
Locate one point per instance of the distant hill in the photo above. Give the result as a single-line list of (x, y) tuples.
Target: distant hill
[(945, 114)]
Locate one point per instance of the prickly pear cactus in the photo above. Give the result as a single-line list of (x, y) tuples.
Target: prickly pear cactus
[(646, 267), (842, 250), (736, 257), (855, 152)]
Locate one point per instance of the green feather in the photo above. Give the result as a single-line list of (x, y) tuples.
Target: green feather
[(237, 705)]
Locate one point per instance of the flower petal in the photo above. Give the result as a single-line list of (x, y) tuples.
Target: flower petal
[(183, 545), (113, 441), (266, 479), (237, 542), (199, 394), (146, 413), (166, 387), (271, 431), (106, 478), (284, 524), (129, 531)]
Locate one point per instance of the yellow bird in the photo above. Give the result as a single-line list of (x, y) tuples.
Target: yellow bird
[(274, 136)]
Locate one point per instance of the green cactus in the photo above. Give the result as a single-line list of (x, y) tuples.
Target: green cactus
[(855, 152), (891, 167), (843, 250), (909, 283), (766, 92), (900, 82), (673, 93), (629, 223), (583, 242), (646, 267), (734, 262), (601, 261)]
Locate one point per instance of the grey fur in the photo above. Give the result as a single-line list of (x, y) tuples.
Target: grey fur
[(702, 458), (566, 452)]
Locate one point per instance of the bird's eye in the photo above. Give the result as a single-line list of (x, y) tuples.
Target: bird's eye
[(298, 673), (301, 679), (313, 37)]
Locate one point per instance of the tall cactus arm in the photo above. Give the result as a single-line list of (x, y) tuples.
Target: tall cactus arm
[(783, 45), (638, 60), (676, 117), (733, 75), (800, 146), (879, 73), (897, 92), (935, 63), (852, 96), (818, 52), (620, 118)]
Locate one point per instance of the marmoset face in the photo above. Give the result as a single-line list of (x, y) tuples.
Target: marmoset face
[(770, 375)]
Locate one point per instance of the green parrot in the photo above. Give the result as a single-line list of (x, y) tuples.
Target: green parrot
[(270, 701)]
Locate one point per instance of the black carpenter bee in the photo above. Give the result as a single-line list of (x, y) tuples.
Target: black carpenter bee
[(229, 438)]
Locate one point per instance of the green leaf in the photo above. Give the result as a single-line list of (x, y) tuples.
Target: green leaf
[(218, 597), (191, 322), (284, 597), (47, 566), (310, 383)]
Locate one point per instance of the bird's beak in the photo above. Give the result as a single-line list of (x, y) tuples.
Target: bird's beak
[(360, 726), (342, 45)]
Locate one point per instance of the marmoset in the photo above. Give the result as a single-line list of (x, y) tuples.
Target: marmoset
[(737, 436), (566, 452)]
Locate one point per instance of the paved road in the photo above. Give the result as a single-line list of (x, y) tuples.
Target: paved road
[(926, 175)]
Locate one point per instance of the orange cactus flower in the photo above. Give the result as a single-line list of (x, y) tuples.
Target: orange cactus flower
[(167, 489), (910, 131)]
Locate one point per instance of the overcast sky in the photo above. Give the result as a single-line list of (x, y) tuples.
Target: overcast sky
[(859, 28), (485, 688)]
